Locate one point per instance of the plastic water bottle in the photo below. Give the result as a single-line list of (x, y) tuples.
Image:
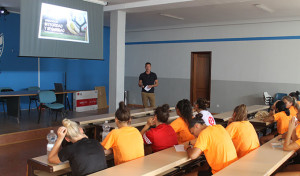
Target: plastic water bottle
[(51, 137), (106, 128)]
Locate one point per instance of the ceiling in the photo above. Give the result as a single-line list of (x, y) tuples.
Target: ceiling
[(196, 12)]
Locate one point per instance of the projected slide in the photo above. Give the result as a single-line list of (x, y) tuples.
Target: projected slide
[(62, 23)]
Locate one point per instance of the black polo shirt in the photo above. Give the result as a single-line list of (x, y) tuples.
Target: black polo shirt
[(86, 156), (148, 79)]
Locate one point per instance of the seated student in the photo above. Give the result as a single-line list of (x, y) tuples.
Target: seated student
[(295, 95), (242, 132), (85, 155), (291, 104), (282, 116), (215, 142), (162, 136), (291, 170), (184, 110), (201, 106), (126, 142)]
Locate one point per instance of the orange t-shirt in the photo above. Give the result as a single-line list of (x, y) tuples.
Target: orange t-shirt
[(217, 146), (127, 144), (298, 142), (298, 130), (243, 136), (182, 130), (282, 122), (293, 111)]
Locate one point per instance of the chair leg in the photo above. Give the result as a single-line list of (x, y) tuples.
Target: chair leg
[(29, 106), (56, 116), (36, 104), (40, 111), (3, 107)]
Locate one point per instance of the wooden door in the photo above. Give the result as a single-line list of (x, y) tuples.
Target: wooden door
[(200, 75)]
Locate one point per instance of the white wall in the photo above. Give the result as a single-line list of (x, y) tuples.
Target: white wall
[(264, 61)]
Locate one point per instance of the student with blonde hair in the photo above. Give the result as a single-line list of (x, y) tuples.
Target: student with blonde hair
[(85, 155), (126, 142), (242, 132)]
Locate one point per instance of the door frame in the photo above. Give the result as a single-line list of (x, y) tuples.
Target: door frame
[(192, 73)]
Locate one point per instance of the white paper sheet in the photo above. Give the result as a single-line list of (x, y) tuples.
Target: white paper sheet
[(179, 148), (147, 88)]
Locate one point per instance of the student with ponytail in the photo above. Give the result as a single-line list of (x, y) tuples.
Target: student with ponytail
[(291, 104), (242, 132), (201, 106), (184, 110), (85, 155), (281, 115), (126, 142), (162, 136)]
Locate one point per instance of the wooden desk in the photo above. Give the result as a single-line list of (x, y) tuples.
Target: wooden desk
[(13, 100), (152, 164), (41, 163), (251, 109), (261, 162), (111, 116)]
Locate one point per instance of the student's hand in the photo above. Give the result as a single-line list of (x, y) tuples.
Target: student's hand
[(186, 147), (150, 121), (61, 132)]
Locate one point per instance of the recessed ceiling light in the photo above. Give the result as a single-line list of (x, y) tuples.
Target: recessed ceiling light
[(171, 16), (264, 8)]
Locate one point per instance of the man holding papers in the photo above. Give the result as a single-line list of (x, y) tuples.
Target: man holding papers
[(147, 81)]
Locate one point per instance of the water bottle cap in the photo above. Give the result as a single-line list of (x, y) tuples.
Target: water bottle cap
[(51, 131)]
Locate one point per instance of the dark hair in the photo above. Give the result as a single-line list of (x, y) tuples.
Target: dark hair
[(162, 113), (147, 63), (186, 110), (123, 113), (280, 106), (295, 95), (197, 119), (202, 103), (240, 113)]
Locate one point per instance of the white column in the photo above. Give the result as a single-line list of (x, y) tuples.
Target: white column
[(116, 59)]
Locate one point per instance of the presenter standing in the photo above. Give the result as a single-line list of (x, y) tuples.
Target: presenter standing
[(147, 81)]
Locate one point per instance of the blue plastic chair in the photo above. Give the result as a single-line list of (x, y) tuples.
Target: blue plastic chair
[(48, 99), (33, 98), (279, 96), (3, 100)]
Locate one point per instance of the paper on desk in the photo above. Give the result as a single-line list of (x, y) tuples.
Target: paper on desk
[(147, 88), (179, 148)]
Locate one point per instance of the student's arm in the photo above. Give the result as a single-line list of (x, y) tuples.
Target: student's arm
[(288, 145), (108, 152), (193, 153), (53, 155), (269, 119), (150, 122)]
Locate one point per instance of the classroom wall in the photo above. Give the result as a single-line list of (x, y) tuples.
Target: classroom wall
[(247, 59), (19, 73)]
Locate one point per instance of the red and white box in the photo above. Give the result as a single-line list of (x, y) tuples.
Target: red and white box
[(85, 100)]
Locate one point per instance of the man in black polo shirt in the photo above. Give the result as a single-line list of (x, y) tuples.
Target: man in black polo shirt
[(147, 81)]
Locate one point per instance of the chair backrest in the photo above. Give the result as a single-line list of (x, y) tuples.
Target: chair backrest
[(279, 96), (47, 97), (7, 90), (35, 88), (1, 88), (58, 87)]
